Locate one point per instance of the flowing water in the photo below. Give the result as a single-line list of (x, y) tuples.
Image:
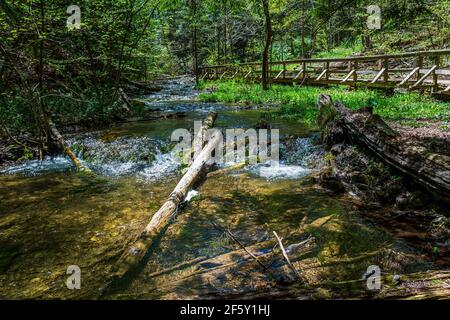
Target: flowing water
[(52, 218)]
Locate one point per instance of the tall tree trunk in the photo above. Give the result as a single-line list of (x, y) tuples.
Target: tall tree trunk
[(128, 27), (43, 114), (303, 29), (194, 43), (268, 41), (367, 42)]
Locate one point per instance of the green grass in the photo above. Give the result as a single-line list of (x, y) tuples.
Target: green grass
[(299, 102), (342, 51)]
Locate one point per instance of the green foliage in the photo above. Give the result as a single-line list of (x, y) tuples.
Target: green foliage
[(48, 71), (77, 73), (299, 102), (345, 50)]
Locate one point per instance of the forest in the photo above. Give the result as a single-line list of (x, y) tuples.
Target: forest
[(224, 149)]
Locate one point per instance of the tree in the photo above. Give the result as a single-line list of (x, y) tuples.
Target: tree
[(267, 44)]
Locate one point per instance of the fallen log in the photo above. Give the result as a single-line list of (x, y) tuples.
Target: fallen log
[(200, 138), (66, 149), (161, 219), (193, 278), (429, 285), (231, 235), (430, 170)]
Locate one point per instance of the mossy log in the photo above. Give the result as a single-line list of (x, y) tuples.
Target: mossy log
[(362, 127), (161, 219)]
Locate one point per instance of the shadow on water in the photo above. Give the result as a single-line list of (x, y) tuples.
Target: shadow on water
[(252, 208)]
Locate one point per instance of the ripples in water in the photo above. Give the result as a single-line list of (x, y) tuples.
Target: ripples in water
[(299, 157), (36, 167), (148, 159), (124, 156)]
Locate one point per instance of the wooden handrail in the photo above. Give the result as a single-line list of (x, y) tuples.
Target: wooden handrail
[(375, 71), (358, 58)]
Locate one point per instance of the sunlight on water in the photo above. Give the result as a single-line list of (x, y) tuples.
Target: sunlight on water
[(163, 166), (281, 171)]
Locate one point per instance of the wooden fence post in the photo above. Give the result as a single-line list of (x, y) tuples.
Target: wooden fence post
[(304, 72), (386, 72), (355, 75), (419, 65), (437, 62)]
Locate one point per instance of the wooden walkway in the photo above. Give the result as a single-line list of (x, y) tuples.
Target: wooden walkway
[(424, 70)]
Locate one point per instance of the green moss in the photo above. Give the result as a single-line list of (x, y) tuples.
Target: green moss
[(27, 154)]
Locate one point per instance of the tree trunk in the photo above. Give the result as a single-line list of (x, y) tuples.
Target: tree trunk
[(367, 42), (65, 148), (194, 43), (268, 41), (161, 219)]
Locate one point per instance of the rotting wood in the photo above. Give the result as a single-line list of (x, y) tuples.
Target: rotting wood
[(146, 239), (177, 267), (194, 275), (430, 170)]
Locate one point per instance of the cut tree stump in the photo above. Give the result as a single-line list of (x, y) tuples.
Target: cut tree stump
[(430, 170), (143, 243)]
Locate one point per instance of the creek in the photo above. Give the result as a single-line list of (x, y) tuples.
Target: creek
[(52, 218)]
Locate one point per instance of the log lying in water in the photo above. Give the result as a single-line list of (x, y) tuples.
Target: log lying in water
[(232, 270), (427, 168), (161, 219), (66, 149), (429, 285)]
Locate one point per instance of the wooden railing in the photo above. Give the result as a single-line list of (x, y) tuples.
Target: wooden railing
[(423, 70)]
